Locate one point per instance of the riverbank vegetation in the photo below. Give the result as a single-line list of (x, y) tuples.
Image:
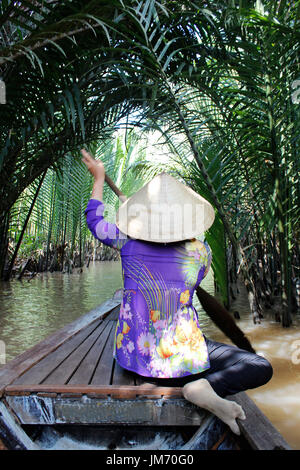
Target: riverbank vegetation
[(55, 236), (219, 82)]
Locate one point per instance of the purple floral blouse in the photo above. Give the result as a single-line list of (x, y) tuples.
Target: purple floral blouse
[(158, 333)]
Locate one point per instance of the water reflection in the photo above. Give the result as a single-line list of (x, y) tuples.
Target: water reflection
[(30, 311)]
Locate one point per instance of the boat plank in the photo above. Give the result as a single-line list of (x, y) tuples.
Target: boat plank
[(256, 428), (141, 382), (112, 390), (114, 314), (29, 358), (84, 373), (90, 411), (103, 371), (11, 432), (66, 369), (48, 364), (121, 376)]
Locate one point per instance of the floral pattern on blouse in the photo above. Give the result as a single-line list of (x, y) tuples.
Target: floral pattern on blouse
[(157, 333)]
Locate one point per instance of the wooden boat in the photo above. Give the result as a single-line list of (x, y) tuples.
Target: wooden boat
[(69, 392)]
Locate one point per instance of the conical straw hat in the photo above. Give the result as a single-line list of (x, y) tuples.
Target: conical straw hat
[(165, 210)]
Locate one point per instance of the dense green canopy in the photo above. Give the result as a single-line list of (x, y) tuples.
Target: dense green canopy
[(218, 79)]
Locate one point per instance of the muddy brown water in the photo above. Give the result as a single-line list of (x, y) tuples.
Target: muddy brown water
[(32, 310)]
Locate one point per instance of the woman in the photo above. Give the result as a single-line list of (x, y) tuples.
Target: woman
[(158, 335)]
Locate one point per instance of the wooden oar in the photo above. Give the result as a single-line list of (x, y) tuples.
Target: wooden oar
[(115, 189), (223, 320), (218, 314)]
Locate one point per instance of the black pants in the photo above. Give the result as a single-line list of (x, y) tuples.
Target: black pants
[(232, 370)]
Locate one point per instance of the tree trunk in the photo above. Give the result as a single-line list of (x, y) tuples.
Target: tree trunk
[(8, 272), (4, 226)]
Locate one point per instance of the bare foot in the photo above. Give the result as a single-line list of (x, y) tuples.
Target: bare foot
[(202, 394)]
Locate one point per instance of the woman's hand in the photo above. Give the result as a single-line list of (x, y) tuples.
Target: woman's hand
[(95, 167)]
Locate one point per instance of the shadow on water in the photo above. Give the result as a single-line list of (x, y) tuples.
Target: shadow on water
[(30, 311)]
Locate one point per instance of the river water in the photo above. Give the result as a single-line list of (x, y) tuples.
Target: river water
[(32, 310)]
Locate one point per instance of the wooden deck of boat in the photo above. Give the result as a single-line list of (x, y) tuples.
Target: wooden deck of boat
[(71, 377), (78, 360)]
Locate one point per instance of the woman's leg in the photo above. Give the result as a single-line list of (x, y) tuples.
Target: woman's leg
[(232, 370), (202, 394)]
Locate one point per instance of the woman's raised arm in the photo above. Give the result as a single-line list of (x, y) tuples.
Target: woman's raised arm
[(96, 168), (104, 231)]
